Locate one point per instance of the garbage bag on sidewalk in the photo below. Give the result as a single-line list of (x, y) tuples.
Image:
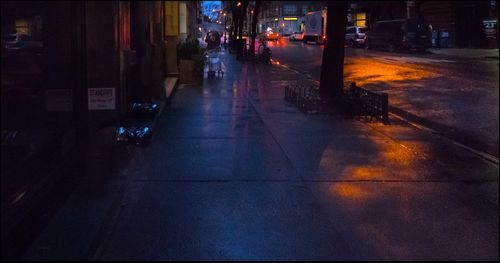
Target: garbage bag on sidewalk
[(136, 135), (8, 137), (144, 109)]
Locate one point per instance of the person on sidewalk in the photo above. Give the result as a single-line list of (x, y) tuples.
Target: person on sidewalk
[(213, 40)]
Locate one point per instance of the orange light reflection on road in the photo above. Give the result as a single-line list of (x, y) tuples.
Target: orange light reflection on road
[(368, 70), (282, 42)]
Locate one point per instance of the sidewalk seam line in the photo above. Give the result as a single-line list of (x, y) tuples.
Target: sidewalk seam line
[(269, 130)]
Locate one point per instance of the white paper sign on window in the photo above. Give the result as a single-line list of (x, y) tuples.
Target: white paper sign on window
[(101, 98)]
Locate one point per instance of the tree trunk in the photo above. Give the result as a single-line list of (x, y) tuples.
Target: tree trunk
[(332, 67), (241, 13), (254, 27), (234, 23)]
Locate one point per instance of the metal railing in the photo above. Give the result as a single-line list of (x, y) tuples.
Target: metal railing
[(305, 97), (367, 103)]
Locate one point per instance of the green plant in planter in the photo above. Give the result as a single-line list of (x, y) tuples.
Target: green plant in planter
[(190, 59), (188, 48)]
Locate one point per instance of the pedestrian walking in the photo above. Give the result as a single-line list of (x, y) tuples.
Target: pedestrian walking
[(213, 40)]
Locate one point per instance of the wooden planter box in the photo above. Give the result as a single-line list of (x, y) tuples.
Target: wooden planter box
[(189, 74)]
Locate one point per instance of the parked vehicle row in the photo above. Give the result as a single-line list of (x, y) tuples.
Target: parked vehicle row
[(399, 34)]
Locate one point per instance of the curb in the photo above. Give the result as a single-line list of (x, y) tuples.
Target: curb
[(461, 139)]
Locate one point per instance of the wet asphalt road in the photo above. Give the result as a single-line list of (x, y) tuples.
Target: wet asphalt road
[(456, 96)]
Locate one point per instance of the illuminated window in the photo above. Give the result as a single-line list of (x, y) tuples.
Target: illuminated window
[(360, 19), (124, 26), (171, 18), (182, 18), (22, 27)]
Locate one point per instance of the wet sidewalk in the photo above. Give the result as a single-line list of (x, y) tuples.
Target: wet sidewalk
[(235, 173)]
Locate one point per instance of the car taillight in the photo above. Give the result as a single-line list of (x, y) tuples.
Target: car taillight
[(324, 37)]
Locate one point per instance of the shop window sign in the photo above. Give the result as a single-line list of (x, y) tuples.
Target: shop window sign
[(490, 28)]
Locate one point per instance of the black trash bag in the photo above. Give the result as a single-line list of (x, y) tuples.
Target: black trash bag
[(144, 109), (122, 135), (9, 137), (140, 135)]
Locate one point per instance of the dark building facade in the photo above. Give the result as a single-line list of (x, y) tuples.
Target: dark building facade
[(466, 21), (455, 23), (70, 71), (286, 17)]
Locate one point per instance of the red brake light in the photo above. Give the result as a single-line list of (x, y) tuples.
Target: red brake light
[(324, 37)]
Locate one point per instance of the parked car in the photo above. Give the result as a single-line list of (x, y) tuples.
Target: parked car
[(399, 34), (272, 36), (355, 36), (296, 36), (10, 40), (19, 41)]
